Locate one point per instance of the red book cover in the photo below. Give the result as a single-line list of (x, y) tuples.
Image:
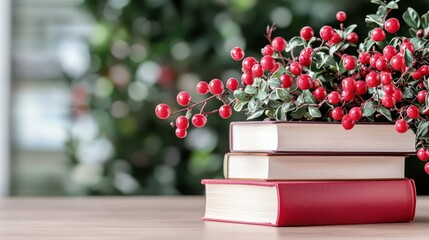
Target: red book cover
[(303, 203)]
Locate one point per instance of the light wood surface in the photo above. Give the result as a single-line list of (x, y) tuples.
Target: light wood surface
[(176, 218)]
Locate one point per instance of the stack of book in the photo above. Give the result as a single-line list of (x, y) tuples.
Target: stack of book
[(296, 174)]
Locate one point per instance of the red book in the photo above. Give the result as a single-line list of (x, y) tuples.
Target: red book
[(300, 203)]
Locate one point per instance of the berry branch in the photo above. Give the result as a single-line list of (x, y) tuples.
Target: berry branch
[(386, 80)]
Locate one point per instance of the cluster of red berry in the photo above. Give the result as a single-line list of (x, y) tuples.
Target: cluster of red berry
[(387, 80)]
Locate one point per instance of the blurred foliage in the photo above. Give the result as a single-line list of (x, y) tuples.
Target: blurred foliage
[(142, 53)]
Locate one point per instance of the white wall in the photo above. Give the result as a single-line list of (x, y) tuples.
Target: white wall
[(5, 65)]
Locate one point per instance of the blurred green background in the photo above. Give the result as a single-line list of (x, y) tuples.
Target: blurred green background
[(88, 74)]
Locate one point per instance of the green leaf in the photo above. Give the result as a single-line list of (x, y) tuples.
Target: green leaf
[(293, 43), (408, 57), (238, 106), (314, 112), (286, 106), (422, 129), (349, 29), (418, 43), (425, 20), (375, 19), (413, 32), (378, 2), (273, 104), (274, 82), (411, 18), (280, 114), (407, 92), (283, 95), (250, 90), (368, 45), (299, 113), (369, 109), (256, 114), (392, 5), (386, 113), (241, 95), (273, 96), (252, 105), (308, 97), (261, 95), (382, 10), (279, 72), (334, 49)]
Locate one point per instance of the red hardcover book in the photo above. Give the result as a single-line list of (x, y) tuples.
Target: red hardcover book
[(301, 203)]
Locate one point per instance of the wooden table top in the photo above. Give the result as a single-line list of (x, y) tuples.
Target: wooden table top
[(150, 218)]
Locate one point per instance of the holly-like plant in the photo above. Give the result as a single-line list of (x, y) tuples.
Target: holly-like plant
[(318, 78)]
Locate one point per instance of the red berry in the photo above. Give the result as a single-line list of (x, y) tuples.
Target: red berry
[(326, 33), (305, 60), (349, 63), (278, 44), (267, 50), (341, 16), (348, 84), (267, 62), (424, 70), (237, 53), (320, 93), (364, 57), (334, 98), (247, 78), (382, 64), (181, 133), (392, 25), (295, 68), (336, 38), (427, 168), (417, 75), (413, 112), (386, 78), (232, 84), (347, 96), (307, 51), (199, 120), (407, 45), (397, 62), (373, 59), (421, 96), (275, 68), (355, 113), (422, 154), (378, 35), (162, 111), (388, 101), (182, 122), (397, 95), (183, 98), (353, 37), (304, 82), (361, 88), (286, 80), (389, 89), (225, 111), (306, 33), (248, 63), (216, 86), (257, 70), (202, 87), (401, 126), (337, 113), (372, 79), (389, 51), (347, 122)]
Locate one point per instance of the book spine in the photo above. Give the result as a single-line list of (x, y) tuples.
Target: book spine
[(346, 202)]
